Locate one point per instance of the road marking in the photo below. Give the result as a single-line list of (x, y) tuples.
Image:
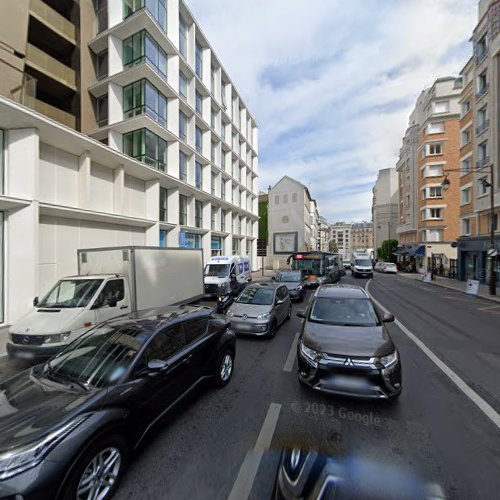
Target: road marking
[(486, 408), (248, 470), (290, 360), (489, 307)]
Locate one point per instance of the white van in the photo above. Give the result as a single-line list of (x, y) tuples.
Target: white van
[(219, 269)]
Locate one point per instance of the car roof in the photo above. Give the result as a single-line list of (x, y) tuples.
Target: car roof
[(342, 291), (265, 285)]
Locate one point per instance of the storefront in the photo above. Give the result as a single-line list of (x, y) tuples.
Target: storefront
[(189, 240), (473, 260)]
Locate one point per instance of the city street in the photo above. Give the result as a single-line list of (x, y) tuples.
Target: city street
[(435, 430)]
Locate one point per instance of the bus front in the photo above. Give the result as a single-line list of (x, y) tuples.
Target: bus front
[(312, 266)]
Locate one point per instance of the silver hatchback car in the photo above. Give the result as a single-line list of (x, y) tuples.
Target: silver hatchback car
[(260, 309)]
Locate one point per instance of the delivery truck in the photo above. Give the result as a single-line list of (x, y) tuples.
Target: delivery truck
[(111, 282)]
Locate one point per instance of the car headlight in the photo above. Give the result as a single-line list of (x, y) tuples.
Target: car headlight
[(390, 359), (299, 287), (229, 314), (264, 316), (310, 354), (58, 338), (21, 459)]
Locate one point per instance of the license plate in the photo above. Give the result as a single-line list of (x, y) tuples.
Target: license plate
[(24, 355), (243, 326), (349, 382)]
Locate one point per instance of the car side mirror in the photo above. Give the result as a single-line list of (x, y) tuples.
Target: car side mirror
[(35, 301), (274, 278), (301, 314), (156, 365), (388, 318), (112, 302)]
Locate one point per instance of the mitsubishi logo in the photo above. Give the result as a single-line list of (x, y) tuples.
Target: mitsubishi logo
[(348, 362)]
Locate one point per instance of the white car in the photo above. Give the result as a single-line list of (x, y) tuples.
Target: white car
[(390, 268), (379, 266)]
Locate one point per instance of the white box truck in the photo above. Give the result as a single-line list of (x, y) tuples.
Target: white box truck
[(219, 269), (111, 282)]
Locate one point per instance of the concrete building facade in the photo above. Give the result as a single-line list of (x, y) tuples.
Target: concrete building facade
[(385, 207), (362, 237), (341, 235)]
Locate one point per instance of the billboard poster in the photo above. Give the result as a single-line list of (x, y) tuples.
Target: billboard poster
[(285, 242)]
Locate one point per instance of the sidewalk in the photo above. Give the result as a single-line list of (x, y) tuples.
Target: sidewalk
[(257, 275), (455, 285)]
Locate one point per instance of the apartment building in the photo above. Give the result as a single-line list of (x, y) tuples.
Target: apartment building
[(362, 236), (341, 235), (325, 234), (152, 92), (483, 94), (439, 159), (385, 207)]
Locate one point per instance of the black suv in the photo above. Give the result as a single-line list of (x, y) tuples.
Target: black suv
[(67, 427), (344, 346)]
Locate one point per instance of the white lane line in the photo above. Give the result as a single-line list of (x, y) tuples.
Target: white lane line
[(487, 409), (487, 308), (290, 360), (248, 470)]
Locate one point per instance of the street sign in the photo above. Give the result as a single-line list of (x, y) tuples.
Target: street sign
[(261, 247), (472, 287), (492, 252)]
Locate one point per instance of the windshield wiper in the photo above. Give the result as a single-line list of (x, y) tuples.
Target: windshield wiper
[(58, 377)]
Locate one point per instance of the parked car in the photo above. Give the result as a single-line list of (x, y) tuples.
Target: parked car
[(379, 266), (390, 268), (260, 309), (295, 281), (346, 263), (68, 427), (345, 348)]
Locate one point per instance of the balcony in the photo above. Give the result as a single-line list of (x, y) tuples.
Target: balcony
[(482, 127), (482, 91), (482, 162), (42, 62), (53, 20), (55, 113)]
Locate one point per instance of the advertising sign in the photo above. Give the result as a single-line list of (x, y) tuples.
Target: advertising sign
[(472, 287), (427, 278), (285, 242)]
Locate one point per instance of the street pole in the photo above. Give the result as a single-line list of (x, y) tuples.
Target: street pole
[(493, 279)]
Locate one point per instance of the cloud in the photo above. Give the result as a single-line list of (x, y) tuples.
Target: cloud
[(332, 83)]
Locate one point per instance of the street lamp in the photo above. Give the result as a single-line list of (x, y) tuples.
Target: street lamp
[(446, 184)]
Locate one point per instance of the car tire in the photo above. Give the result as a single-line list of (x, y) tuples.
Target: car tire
[(274, 329), (224, 368), (113, 447), (289, 315)]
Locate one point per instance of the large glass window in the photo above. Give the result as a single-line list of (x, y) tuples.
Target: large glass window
[(183, 204), (189, 240), (199, 140), (222, 187), (157, 8), (213, 218), (101, 65), (183, 85), (101, 110), (198, 175), (101, 12), (182, 166), (199, 60), (182, 125), (142, 97), (198, 214), (199, 103), (163, 204), (182, 36), (223, 221), (147, 147), (141, 47)]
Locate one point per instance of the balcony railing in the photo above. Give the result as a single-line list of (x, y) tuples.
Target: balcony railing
[(482, 162), (482, 91), (482, 127), (50, 66), (55, 113), (51, 18)]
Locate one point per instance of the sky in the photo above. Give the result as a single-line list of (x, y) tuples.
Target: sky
[(331, 84)]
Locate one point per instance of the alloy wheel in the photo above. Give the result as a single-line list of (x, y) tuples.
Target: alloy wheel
[(100, 475), (226, 367)]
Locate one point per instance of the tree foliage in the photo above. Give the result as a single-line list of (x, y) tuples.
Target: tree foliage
[(387, 249), (263, 220), (332, 247)]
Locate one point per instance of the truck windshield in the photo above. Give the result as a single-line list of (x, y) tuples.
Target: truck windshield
[(364, 262), (71, 293), (217, 270)]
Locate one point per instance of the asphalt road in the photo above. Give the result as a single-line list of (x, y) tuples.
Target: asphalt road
[(435, 430)]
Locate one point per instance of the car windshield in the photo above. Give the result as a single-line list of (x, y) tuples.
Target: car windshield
[(101, 357), (364, 262), (346, 312), (256, 295), (71, 293), (295, 277), (217, 270)]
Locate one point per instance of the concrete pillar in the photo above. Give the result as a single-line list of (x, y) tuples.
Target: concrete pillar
[(115, 140), (119, 190), (84, 164), (115, 13), (153, 211), (115, 103), (173, 22), (115, 52)]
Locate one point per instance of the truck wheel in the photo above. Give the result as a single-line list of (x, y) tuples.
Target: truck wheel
[(99, 470), (224, 368)]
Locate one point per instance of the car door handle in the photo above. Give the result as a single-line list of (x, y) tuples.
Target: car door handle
[(124, 307), (188, 359)]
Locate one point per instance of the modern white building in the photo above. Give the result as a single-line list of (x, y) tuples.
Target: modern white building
[(385, 206)]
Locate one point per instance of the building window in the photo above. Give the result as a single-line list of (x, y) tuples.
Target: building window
[(198, 175), (198, 214), (465, 196), (212, 183), (163, 204), (222, 159), (147, 147), (482, 119), (217, 245), (482, 188), (212, 118), (182, 166), (142, 97), (189, 240), (482, 83), (495, 222), (163, 238), (199, 60), (182, 125), (213, 218), (198, 139), (434, 213), (101, 110), (435, 192), (465, 106), (141, 47), (434, 149), (223, 130), (483, 154), (465, 229), (223, 221), (199, 103), (212, 81), (433, 171), (294, 197), (481, 48), (236, 246), (465, 136), (101, 65), (222, 188), (183, 204), (213, 150), (223, 96), (182, 36), (157, 8), (442, 107), (465, 166), (101, 11), (435, 128), (183, 85)]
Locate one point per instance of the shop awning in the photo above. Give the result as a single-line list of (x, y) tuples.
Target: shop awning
[(411, 250)]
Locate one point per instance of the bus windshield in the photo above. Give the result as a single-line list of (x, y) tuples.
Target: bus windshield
[(309, 266)]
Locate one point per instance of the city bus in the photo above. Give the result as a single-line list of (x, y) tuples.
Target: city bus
[(318, 267)]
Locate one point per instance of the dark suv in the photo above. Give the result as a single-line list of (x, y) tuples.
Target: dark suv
[(68, 427), (345, 348)]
